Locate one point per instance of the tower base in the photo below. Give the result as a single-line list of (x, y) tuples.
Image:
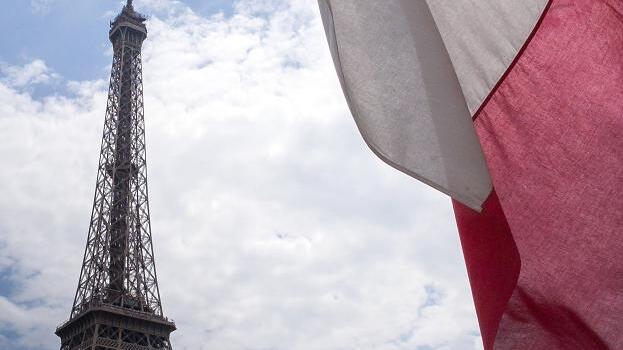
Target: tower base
[(105, 327)]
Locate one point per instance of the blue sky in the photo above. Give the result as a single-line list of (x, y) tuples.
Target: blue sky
[(290, 234), (69, 35)]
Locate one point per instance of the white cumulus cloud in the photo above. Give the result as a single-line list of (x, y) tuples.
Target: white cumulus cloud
[(32, 73), (274, 226)]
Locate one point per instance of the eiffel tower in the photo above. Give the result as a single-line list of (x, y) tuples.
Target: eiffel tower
[(117, 302)]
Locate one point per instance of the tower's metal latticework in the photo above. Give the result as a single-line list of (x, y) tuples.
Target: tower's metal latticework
[(117, 303)]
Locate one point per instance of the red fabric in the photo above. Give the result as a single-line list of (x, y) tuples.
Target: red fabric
[(492, 262), (553, 138)]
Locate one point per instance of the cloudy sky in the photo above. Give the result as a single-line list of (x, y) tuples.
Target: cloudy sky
[(275, 227)]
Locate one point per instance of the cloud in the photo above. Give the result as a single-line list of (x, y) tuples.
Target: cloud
[(32, 73), (274, 225), (40, 7)]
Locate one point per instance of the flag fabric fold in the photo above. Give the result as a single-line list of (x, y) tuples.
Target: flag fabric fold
[(414, 72), (404, 94), (552, 134), (543, 81), (483, 38)]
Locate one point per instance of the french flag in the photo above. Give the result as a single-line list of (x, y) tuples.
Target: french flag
[(514, 109)]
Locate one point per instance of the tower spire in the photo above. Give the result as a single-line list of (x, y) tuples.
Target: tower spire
[(117, 302)]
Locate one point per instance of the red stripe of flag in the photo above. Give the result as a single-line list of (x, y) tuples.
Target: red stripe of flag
[(545, 256)]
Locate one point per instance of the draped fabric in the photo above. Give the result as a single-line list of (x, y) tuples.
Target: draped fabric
[(543, 81), (483, 38), (414, 71), (544, 256)]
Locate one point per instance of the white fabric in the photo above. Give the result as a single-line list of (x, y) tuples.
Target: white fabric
[(404, 95), (401, 82), (483, 38)]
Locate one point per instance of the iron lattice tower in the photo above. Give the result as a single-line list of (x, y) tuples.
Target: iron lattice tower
[(117, 303)]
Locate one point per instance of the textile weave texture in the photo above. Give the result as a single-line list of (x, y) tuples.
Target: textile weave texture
[(545, 256)]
